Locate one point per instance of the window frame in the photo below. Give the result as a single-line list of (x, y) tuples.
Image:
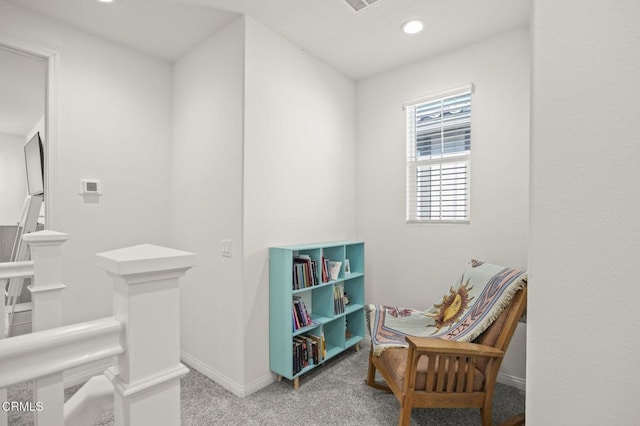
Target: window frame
[(438, 158)]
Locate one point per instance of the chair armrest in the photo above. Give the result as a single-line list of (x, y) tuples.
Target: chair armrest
[(428, 345)]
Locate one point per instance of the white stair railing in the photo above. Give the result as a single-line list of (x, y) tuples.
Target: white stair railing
[(43, 356), (143, 334)]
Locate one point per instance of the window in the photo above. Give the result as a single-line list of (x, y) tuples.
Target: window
[(438, 152)]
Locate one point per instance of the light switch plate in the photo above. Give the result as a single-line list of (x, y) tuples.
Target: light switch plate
[(225, 248)]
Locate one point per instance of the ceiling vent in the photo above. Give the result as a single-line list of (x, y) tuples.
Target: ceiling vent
[(358, 5)]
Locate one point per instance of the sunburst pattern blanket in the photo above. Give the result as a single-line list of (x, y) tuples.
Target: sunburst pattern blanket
[(468, 309)]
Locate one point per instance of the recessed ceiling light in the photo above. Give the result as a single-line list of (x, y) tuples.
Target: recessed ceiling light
[(105, 1), (413, 27)]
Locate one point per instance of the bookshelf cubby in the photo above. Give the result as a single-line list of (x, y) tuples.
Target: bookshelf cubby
[(340, 323)]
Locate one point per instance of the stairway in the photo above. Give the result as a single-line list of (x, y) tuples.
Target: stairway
[(21, 319)]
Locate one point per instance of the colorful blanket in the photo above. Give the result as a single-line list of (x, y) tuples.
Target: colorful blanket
[(468, 309)]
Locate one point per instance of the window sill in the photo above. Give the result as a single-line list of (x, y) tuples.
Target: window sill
[(448, 222)]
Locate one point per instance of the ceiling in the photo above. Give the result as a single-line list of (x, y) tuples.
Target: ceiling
[(359, 44)]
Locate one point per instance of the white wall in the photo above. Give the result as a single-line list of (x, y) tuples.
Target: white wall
[(207, 194), (425, 259), (299, 176), (38, 127), (13, 178), (585, 239), (114, 124)]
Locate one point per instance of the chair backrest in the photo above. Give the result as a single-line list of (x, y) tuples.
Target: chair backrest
[(500, 332)]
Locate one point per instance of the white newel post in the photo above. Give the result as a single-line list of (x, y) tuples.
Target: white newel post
[(46, 312), (146, 300), (46, 287)]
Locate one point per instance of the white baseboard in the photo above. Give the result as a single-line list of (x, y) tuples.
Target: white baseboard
[(78, 375), (258, 384), (517, 382), (81, 374), (230, 385)]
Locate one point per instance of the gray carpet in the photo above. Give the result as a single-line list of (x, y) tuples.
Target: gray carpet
[(334, 394)]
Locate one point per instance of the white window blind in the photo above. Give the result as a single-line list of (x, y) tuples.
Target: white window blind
[(438, 151)]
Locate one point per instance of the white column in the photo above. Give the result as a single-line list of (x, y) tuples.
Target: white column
[(146, 300), (46, 312)]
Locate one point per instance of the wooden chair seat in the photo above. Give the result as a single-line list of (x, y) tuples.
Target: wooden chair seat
[(394, 361)]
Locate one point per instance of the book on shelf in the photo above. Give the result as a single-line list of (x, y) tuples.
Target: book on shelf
[(338, 298), (308, 349), (303, 351), (301, 315), (314, 272), (296, 362), (311, 350), (312, 346), (314, 350), (334, 269), (305, 272), (296, 322), (325, 270), (306, 316), (300, 356), (318, 347)]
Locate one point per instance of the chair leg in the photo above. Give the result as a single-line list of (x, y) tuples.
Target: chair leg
[(371, 375), (485, 413), (405, 415)]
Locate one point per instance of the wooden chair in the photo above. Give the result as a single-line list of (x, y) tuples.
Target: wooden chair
[(440, 373)]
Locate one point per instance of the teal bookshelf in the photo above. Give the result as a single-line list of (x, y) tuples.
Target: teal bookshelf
[(341, 324)]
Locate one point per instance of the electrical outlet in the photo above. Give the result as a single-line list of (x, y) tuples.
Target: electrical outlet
[(225, 248)]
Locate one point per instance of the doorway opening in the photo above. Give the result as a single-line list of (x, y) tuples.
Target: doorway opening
[(27, 147)]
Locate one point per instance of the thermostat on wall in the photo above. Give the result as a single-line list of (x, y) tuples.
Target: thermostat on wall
[(90, 187)]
